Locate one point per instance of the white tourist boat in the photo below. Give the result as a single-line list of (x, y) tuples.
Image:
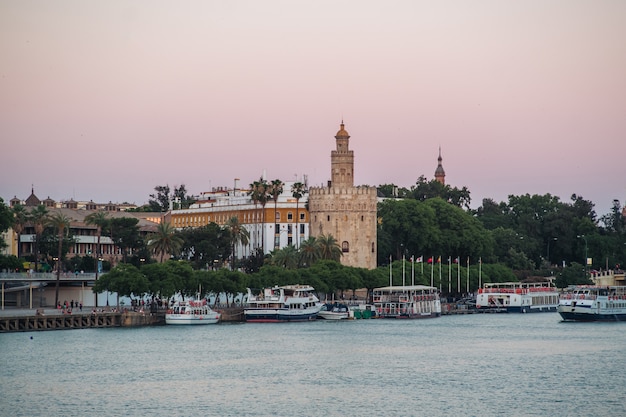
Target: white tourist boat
[(282, 304), (191, 312), (335, 311), (593, 303), (518, 297), (407, 302)]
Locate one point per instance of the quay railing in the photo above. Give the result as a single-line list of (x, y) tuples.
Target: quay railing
[(47, 276)]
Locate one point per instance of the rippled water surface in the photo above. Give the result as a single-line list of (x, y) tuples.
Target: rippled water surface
[(475, 365)]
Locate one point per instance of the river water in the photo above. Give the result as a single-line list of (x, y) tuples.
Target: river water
[(470, 365)]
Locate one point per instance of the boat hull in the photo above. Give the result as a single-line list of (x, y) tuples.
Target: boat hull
[(186, 319), (410, 316), (586, 314), (279, 315), (331, 315)]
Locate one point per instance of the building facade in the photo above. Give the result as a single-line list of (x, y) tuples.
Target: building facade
[(346, 212), (278, 224), (84, 235)]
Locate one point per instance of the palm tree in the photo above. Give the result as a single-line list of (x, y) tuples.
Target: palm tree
[(165, 240), (61, 223), (309, 252), (20, 218), (238, 235), (329, 248), (39, 218), (100, 220), (276, 189), (259, 194), (297, 191), (286, 257)]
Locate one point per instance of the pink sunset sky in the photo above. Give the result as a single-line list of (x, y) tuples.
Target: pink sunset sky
[(105, 100)]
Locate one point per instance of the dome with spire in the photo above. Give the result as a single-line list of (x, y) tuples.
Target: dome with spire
[(440, 174), (342, 133)]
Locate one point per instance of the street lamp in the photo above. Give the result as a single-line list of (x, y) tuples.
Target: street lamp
[(585, 239), (548, 255)]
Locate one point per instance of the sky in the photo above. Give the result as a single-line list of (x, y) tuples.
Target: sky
[(106, 100)]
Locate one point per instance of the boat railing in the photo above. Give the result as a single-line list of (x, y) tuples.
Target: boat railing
[(575, 296), (493, 290)]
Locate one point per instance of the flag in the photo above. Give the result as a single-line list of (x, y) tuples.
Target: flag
[(457, 260), (439, 260), (430, 260), (420, 259)]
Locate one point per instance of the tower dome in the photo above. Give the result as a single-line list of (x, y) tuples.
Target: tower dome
[(342, 133)]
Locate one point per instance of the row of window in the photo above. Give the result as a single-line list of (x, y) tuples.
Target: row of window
[(253, 217)]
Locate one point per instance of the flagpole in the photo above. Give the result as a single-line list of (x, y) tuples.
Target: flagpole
[(468, 275), (449, 274), (390, 279), (458, 273), (432, 268), (480, 272), (439, 276), (422, 258), (413, 270), (403, 279)]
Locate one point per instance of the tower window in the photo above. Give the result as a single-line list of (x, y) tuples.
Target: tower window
[(327, 218), (345, 246)]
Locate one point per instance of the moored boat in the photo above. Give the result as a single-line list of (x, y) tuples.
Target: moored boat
[(593, 303), (518, 297), (335, 311), (407, 302), (191, 312), (282, 304)]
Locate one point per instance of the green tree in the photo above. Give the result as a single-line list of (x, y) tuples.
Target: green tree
[(100, 220), (238, 235), (309, 252), (406, 225), (259, 193), (20, 218), (6, 220), (181, 199), (165, 240), (329, 249), (205, 245), (298, 190), (424, 190), (124, 233), (124, 279), (286, 257), (61, 223), (393, 191), (275, 190), (572, 275), (39, 218), (160, 201)]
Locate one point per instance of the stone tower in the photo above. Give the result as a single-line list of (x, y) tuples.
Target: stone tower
[(346, 212), (440, 174)]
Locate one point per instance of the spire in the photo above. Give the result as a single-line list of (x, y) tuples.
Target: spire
[(440, 174)]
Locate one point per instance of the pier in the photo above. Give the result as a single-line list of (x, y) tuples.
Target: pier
[(22, 320)]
